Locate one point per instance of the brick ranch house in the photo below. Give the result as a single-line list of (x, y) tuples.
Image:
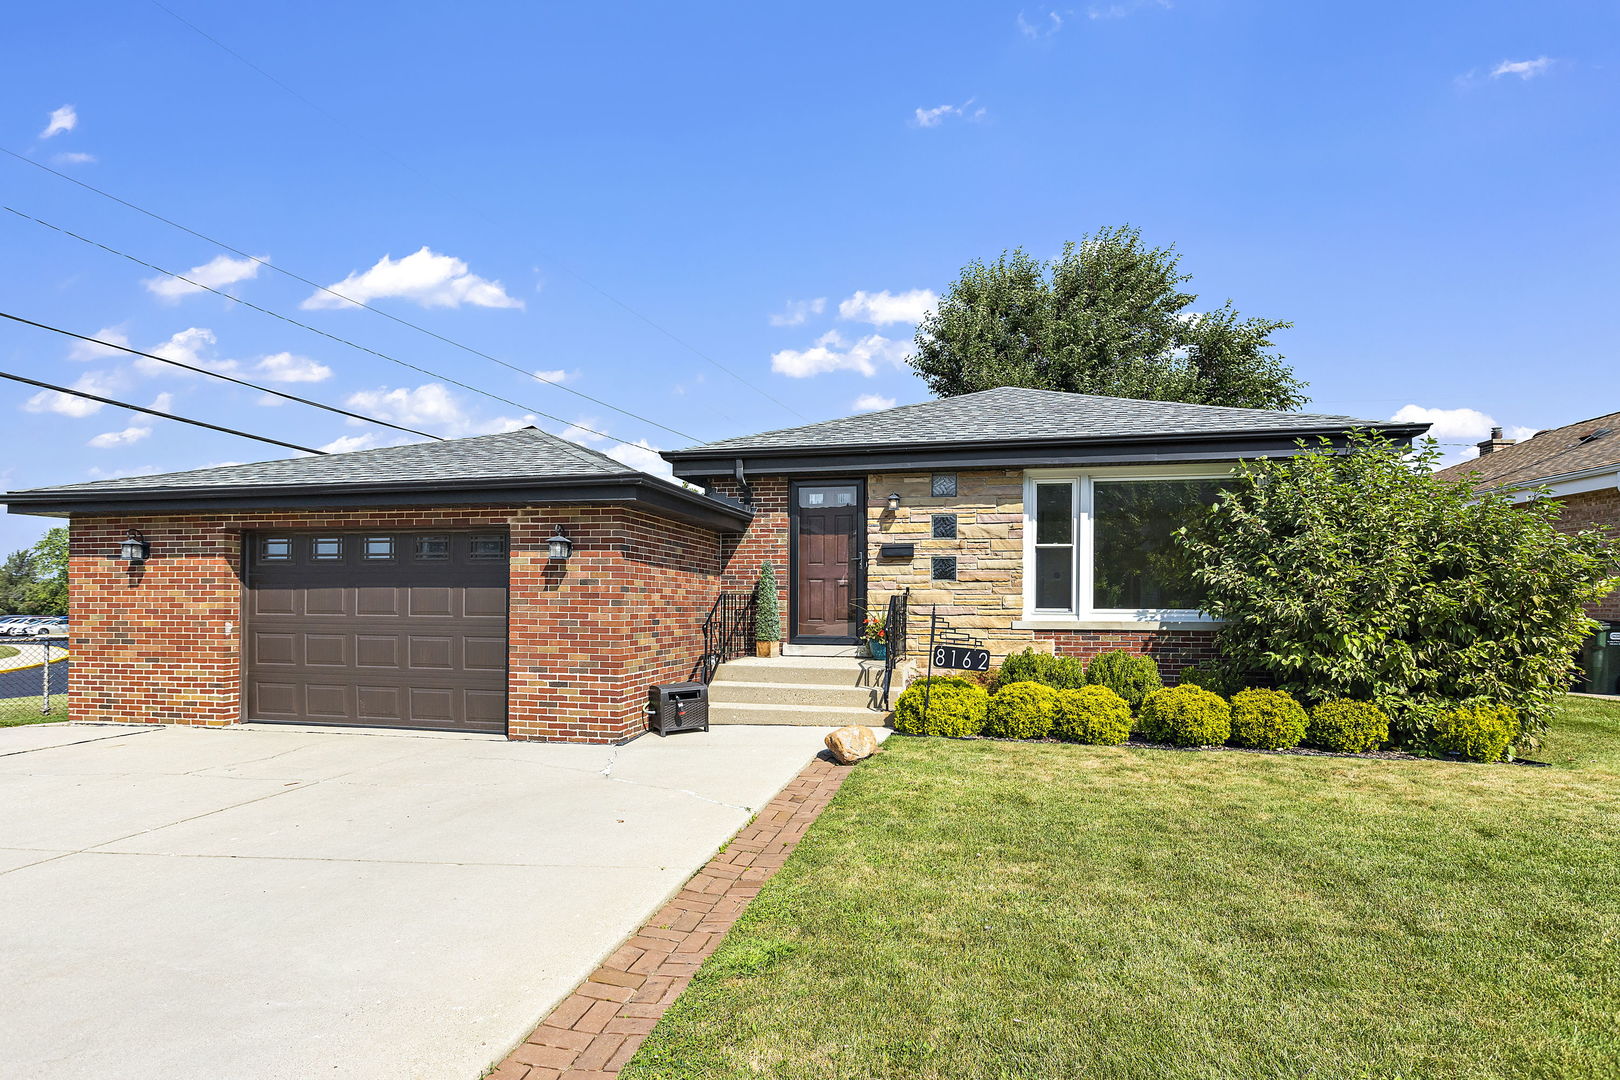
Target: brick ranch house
[(417, 586), (1577, 466)]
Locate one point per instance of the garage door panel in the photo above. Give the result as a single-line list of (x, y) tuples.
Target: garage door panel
[(410, 640), (432, 653), (376, 651), (271, 648), (484, 603), (326, 650)]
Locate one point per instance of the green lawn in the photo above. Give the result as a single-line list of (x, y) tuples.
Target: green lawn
[(995, 910)]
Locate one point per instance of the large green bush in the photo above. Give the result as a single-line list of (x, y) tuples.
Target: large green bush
[(956, 707), (1475, 732), (1185, 716), (1363, 575), (1212, 676), (1130, 676), (1267, 720), (1091, 714), (1021, 710), (1350, 727), (1058, 672)]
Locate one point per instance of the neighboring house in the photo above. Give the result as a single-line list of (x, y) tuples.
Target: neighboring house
[(1578, 465), (416, 586)]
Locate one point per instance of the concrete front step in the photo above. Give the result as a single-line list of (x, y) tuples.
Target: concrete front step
[(801, 715), (736, 692), (848, 651), (802, 670)]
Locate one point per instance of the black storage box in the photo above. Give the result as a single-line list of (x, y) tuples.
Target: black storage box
[(677, 707)]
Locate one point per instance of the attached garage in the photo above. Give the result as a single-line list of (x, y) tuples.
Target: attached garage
[(374, 628), (513, 583)]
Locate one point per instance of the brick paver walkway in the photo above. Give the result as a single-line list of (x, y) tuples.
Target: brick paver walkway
[(601, 1024)]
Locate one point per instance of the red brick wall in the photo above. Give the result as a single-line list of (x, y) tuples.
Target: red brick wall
[(1174, 650), (162, 644), (1594, 510), (766, 539)]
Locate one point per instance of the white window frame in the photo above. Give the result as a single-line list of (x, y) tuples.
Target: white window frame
[(1082, 573)]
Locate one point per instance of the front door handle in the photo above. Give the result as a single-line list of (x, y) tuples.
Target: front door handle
[(843, 582)]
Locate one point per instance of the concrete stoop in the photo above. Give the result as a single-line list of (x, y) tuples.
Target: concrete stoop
[(814, 691)]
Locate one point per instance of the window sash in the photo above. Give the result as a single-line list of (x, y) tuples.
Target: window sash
[(1082, 573)]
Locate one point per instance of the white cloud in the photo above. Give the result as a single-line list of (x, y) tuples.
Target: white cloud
[(284, 367), (832, 352), (76, 157), (798, 311), (1459, 427), (1524, 69), (108, 440), (431, 406), (88, 350), (64, 119), (164, 402), (883, 308), (95, 473), (556, 376), (1123, 8), (640, 454), (215, 274), (872, 403), (189, 346), (928, 118), (424, 277), (1041, 27), (54, 401), (343, 444)]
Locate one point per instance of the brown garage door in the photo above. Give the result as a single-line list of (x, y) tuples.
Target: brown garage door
[(383, 629)]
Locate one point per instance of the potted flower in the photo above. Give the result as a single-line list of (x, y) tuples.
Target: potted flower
[(876, 632), (767, 619)]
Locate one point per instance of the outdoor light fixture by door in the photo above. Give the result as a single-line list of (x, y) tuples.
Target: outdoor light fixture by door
[(134, 549), (894, 500), (559, 546)]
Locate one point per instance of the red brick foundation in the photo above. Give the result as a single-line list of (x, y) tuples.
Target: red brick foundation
[(161, 644), (1173, 650)]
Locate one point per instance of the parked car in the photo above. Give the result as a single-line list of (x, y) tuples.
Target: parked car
[(54, 626), (6, 622)]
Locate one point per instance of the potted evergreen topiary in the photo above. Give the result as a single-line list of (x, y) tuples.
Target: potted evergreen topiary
[(767, 619)]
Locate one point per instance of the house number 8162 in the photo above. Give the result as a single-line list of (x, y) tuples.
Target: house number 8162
[(951, 656)]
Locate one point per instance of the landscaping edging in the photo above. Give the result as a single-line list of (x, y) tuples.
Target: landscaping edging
[(596, 1029)]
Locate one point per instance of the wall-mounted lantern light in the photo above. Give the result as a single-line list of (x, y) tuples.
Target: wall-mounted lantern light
[(134, 549), (559, 546), (894, 500)]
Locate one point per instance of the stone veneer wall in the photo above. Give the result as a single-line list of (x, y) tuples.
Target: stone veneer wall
[(162, 644)]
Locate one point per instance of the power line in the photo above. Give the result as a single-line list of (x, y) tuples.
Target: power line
[(332, 292), (565, 267), (217, 375), (154, 412), (313, 329)]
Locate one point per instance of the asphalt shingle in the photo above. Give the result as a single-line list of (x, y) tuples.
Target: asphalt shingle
[(1588, 444), (1012, 413)]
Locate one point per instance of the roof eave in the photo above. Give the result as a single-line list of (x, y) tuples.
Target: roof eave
[(632, 488)]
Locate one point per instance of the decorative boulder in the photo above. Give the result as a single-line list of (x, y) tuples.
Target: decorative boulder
[(851, 744)]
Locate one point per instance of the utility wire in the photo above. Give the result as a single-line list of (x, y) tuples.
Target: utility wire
[(332, 292), (314, 329), (154, 412), (217, 375), (200, 32)]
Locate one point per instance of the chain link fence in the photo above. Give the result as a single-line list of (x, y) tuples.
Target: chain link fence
[(33, 680)]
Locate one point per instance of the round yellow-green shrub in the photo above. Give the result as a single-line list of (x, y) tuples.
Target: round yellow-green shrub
[(956, 707), (1475, 732), (1021, 710), (1267, 720), (1185, 716), (1350, 727), (1092, 714)]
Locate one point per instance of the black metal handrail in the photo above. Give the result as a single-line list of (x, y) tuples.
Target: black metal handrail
[(894, 635), (728, 632)]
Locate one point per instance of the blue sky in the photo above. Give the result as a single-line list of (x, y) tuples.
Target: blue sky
[(726, 218)]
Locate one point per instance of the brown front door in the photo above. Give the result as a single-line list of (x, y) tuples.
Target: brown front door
[(378, 628), (828, 529)]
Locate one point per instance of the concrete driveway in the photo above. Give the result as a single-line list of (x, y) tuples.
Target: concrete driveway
[(266, 902)]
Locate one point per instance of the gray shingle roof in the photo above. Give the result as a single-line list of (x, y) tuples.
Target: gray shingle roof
[(1012, 413), (526, 454)]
